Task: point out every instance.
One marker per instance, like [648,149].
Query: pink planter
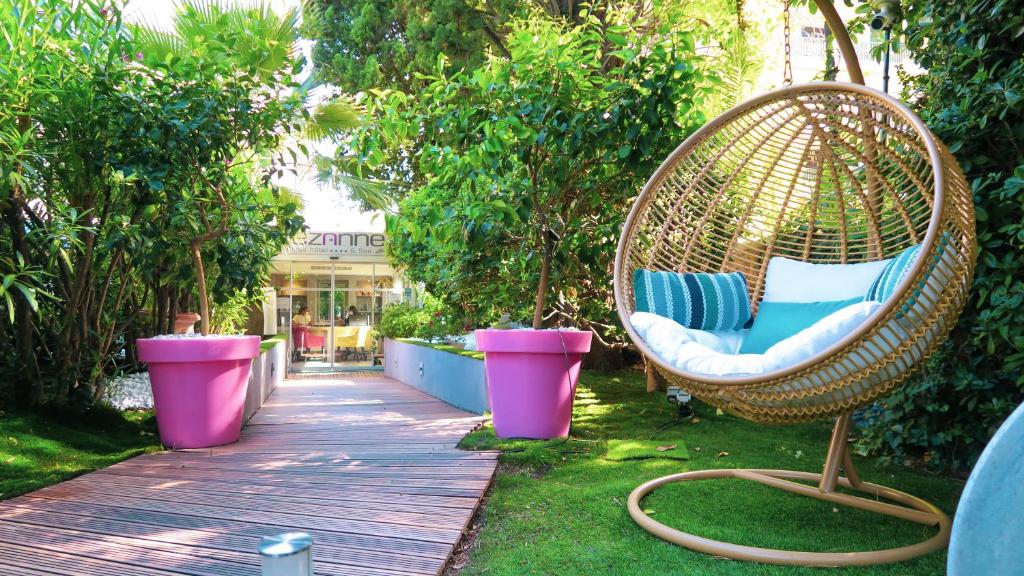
[199,387]
[531,379]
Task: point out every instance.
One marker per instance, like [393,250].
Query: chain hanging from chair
[787,65]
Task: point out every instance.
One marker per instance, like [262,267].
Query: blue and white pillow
[894,272]
[699,301]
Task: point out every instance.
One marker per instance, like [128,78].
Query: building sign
[338,244]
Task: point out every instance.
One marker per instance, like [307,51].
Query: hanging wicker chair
[825,172]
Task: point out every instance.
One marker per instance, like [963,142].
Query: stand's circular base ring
[796,558]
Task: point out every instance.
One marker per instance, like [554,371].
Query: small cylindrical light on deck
[288,554]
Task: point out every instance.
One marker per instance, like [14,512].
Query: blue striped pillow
[699,301]
[894,272]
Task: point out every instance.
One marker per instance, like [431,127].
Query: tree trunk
[254,320]
[173,305]
[204,300]
[603,359]
[542,286]
[28,391]
[160,308]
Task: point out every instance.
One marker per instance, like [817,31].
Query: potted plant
[532,373]
[224,101]
[525,167]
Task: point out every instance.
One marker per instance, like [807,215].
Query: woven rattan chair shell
[824,173]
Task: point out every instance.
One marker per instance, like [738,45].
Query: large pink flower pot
[199,387]
[531,379]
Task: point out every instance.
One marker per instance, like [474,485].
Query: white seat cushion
[795,281]
[714,353]
[696,351]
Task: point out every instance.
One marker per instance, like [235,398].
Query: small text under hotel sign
[338,244]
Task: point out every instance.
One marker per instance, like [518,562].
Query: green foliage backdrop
[972,97]
[120,147]
[531,162]
[367,44]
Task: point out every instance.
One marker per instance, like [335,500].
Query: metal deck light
[288,554]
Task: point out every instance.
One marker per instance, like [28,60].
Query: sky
[325,208]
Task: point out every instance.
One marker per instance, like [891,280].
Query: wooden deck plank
[280,467]
[372,500]
[170,522]
[325,481]
[247,504]
[368,466]
[342,555]
[440,489]
[442,460]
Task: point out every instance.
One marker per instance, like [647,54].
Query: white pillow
[794,281]
[714,353]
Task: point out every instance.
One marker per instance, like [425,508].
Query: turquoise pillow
[776,321]
[894,272]
[696,300]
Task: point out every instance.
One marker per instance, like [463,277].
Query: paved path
[367,465]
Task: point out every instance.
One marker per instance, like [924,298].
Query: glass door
[329,310]
[311,322]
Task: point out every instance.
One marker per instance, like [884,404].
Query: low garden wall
[449,374]
[268,371]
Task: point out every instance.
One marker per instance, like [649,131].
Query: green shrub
[232,316]
[432,321]
[401,321]
[972,97]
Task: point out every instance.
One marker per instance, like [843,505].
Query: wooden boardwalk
[366,465]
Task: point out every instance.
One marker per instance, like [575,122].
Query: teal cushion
[776,321]
[894,272]
[696,300]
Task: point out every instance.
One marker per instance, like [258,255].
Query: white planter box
[454,378]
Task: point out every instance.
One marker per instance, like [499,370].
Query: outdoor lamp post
[886,16]
[288,554]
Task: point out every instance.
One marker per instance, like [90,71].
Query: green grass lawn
[37,451]
[559,507]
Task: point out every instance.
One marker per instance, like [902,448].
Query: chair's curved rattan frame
[759,398]
[862,366]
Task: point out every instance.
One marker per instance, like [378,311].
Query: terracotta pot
[531,379]
[185,322]
[199,387]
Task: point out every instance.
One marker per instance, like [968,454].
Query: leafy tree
[118,149]
[62,66]
[365,44]
[972,97]
[531,162]
[226,96]
[394,47]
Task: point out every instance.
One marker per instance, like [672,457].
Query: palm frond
[335,172]
[197,19]
[269,37]
[287,195]
[314,24]
[154,44]
[254,36]
[737,66]
[333,118]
